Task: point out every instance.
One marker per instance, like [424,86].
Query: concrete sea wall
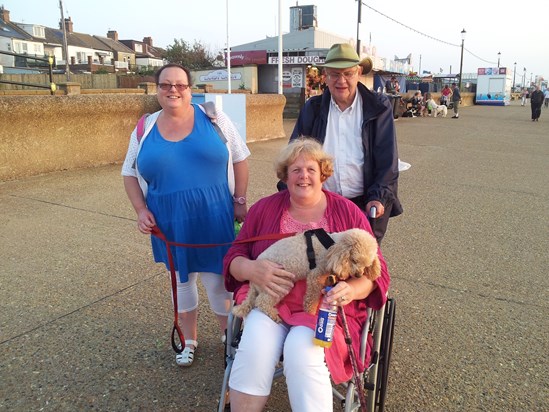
[41,133]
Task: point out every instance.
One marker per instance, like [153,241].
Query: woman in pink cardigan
[303,166]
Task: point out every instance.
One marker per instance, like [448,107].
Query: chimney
[148,41]
[5,14]
[112,34]
[68,25]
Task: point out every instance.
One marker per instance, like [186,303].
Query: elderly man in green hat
[356,126]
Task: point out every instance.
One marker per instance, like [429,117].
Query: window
[38,31]
[81,57]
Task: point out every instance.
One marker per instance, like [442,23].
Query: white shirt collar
[351,108]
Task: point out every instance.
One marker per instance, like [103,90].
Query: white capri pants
[187,293]
[307,376]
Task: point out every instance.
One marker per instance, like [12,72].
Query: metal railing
[48,60]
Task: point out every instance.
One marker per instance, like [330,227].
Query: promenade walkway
[85,315]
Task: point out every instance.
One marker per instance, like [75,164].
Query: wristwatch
[240,200]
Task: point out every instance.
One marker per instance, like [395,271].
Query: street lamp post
[359,20]
[463,32]
[280,49]
[524,78]
[514,72]
[65,46]
[229,87]
[499,55]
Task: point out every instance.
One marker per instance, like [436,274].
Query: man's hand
[379,207]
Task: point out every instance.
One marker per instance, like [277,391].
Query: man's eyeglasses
[168,86]
[336,75]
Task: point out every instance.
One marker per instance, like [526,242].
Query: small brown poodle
[353,254]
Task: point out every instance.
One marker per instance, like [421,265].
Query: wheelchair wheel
[233,333]
[385,354]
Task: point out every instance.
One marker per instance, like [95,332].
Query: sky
[429,31]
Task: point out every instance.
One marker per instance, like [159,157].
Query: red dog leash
[178,348]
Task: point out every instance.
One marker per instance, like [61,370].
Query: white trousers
[262,343]
[187,293]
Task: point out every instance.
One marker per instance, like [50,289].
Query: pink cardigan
[264,218]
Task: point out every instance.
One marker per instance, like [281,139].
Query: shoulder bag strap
[141,126]
[211,111]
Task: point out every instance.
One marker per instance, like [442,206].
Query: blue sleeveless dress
[189,196]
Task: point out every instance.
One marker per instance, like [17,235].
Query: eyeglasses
[336,75]
[168,86]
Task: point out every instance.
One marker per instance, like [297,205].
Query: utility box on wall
[234,105]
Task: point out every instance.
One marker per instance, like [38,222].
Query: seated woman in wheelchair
[303,166]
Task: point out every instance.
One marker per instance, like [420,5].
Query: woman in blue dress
[182,177]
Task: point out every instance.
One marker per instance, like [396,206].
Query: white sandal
[186,357]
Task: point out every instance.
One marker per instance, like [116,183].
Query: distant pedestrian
[523,96]
[456,99]
[392,86]
[536,100]
[418,105]
[546,95]
[445,95]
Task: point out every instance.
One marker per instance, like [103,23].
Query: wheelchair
[380,325]
[445,100]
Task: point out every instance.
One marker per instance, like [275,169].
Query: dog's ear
[373,271]
[337,259]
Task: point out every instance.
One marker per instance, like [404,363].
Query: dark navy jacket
[456,96]
[378,142]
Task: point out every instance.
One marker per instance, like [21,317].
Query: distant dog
[437,109]
[353,254]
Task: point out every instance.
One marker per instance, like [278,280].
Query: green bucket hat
[341,56]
